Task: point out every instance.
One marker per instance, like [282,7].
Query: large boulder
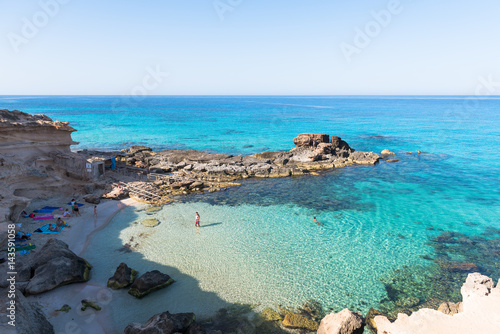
[29,318]
[163,323]
[54,266]
[344,322]
[92,198]
[306,139]
[123,277]
[149,282]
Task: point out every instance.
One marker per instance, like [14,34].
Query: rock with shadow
[123,277]
[28,316]
[149,282]
[166,323]
[55,266]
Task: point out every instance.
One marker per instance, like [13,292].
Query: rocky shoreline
[37,163]
[178,172]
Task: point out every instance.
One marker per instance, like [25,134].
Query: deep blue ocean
[395,235]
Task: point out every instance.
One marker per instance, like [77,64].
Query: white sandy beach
[77,237]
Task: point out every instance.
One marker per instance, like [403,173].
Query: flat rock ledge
[179,172]
[149,282]
[479,312]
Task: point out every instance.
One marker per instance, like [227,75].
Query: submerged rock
[149,282]
[269,314]
[87,303]
[123,277]
[298,321]
[150,222]
[164,323]
[344,322]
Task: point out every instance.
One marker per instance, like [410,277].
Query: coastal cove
[392,236]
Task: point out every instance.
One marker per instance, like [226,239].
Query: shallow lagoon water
[258,243]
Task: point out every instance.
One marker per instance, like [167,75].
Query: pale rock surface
[481,313]
[344,322]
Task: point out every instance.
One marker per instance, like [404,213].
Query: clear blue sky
[259,47]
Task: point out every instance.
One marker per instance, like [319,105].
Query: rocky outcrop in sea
[180,172]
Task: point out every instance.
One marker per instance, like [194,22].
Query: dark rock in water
[55,266]
[87,303]
[165,323]
[400,236]
[408,302]
[312,309]
[297,321]
[149,282]
[392,160]
[247,146]
[30,319]
[65,308]
[458,266]
[123,277]
[470,224]
[445,239]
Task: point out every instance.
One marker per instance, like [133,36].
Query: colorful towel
[44,217]
[44,210]
[79,204]
[45,229]
[51,208]
[25,247]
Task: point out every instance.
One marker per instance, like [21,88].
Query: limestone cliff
[27,146]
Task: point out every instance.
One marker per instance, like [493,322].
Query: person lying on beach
[54,228]
[20,235]
[316,221]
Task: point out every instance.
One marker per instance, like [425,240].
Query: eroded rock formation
[479,312]
[28,149]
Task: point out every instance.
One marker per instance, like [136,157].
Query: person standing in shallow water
[197,223]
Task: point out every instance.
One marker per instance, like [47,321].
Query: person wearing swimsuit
[197,223]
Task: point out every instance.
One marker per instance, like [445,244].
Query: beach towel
[44,210]
[45,229]
[51,208]
[25,247]
[79,204]
[44,217]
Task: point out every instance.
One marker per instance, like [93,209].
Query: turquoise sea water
[258,243]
